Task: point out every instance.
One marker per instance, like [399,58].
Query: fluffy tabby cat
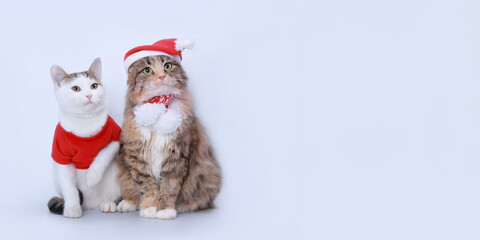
[85,143]
[166,161]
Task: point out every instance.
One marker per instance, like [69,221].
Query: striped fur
[189,176]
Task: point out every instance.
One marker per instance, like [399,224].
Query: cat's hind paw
[150,212]
[108,207]
[74,211]
[126,206]
[167,214]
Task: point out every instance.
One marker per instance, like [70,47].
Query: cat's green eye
[148,71]
[76,88]
[167,66]
[94,86]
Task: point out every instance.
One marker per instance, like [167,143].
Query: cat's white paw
[108,207]
[146,114]
[74,211]
[126,206]
[93,177]
[167,214]
[150,212]
[169,122]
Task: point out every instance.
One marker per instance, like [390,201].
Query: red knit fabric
[70,148]
[165,99]
[165,45]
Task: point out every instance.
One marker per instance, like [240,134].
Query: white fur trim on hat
[182,44]
[141,54]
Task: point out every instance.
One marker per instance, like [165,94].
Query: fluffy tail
[56,204]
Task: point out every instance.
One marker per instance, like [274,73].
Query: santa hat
[167,47]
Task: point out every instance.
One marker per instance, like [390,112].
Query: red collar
[165,99]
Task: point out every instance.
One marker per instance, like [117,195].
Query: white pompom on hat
[167,47]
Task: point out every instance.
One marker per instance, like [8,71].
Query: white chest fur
[157,146]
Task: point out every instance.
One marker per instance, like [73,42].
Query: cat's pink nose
[89,96]
[161,77]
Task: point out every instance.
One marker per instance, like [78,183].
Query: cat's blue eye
[76,88]
[94,86]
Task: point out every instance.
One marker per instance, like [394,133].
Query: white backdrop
[331,119]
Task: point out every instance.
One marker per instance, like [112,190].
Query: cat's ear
[96,69]
[58,75]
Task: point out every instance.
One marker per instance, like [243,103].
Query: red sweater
[70,148]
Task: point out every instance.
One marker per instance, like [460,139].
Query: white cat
[85,143]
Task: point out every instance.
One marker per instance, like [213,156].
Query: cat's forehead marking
[79,74]
[149,60]
[158,60]
[73,76]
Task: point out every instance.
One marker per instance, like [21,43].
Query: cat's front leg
[68,186]
[101,162]
[149,194]
[169,188]
[129,189]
